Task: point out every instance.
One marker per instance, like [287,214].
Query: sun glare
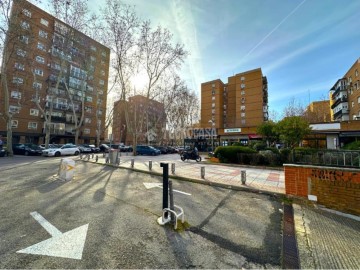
[139,80]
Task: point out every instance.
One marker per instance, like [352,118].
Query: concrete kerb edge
[203,182]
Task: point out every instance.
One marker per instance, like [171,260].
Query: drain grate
[290,251]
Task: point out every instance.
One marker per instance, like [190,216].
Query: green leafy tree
[292,130]
[268,131]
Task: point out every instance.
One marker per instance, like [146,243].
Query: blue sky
[302,46]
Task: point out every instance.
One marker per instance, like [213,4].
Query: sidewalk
[259,179]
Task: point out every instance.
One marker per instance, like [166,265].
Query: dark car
[104,148]
[163,150]
[94,149]
[3,152]
[147,150]
[26,149]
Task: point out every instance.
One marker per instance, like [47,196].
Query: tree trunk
[77,133]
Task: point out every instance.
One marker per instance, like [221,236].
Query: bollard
[173,168]
[171,198]
[150,165]
[88,156]
[165,167]
[132,163]
[104,154]
[243,177]
[107,160]
[92,155]
[80,155]
[118,161]
[203,172]
[96,158]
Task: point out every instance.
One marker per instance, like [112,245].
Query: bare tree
[294,108]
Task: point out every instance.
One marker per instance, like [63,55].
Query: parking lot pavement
[116,214]
[262,179]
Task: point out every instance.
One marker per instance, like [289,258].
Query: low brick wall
[336,188]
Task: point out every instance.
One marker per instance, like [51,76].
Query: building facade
[146,121]
[54,70]
[235,109]
[345,95]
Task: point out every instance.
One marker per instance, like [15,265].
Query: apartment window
[101,82]
[99,101]
[40,59]
[242,114]
[212,98]
[34,112]
[359,100]
[243,122]
[89,99]
[44,22]
[92,58]
[24,39]
[19,66]
[224,107]
[32,125]
[243,92]
[356,73]
[352,104]
[14,109]
[39,72]
[243,100]
[25,25]
[16,94]
[213,111]
[21,52]
[93,48]
[102,72]
[18,80]
[102,62]
[89,88]
[37,85]
[43,34]
[213,85]
[242,107]
[242,78]
[350,79]
[213,105]
[101,92]
[100,112]
[14,123]
[88,109]
[41,46]
[87,120]
[242,85]
[86,131]
[213,92]
[26,12]
[103,53]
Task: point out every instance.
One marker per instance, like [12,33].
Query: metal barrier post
[165,167]
[171,195]
[243,177]
[173,168]
[96,158]
[203,172]
[150,165]
[132,163]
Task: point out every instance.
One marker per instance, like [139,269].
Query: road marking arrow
[66,245]
[152,185]
[69,168]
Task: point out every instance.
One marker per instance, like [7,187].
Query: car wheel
[57,154]
[198,159]
[182,158]
[26,153]
[76,153]
[153,153]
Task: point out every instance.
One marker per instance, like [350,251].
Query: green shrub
[352,146]
[229,154]
[258,145]
[285,155]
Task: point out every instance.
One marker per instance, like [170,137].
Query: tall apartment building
[44,51]
[146,116]
[236,108]
[345,95]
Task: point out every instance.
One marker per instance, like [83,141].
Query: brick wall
[337,188]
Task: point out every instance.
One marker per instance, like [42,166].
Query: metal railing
[338,158]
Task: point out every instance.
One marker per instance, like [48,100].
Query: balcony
[341,113]
[339,100]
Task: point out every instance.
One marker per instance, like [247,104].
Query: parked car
[26,149]
[104,148]
[171,150]
[65,150]
[84,148]
[43,146]
[163,150]
[3,152]
[147,150]
[125,148]
[94,149]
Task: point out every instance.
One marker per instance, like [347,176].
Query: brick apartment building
[35,63]
[236,108]
[146,116]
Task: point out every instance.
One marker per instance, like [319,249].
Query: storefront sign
[230,130]
[203,132]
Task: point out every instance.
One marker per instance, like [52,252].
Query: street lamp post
[212,137]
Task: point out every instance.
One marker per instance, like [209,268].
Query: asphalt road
[117,216]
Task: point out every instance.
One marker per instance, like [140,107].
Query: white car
[65,150]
